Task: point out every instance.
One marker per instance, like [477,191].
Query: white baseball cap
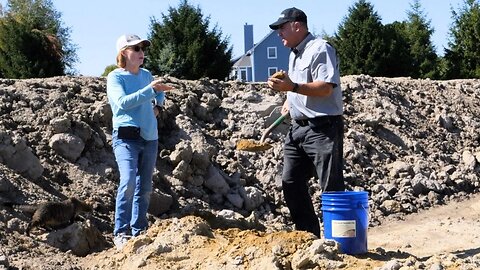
[130,40]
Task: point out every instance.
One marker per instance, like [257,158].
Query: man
[314,142]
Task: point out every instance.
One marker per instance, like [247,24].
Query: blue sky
[95,25]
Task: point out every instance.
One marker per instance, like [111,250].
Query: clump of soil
[250,145]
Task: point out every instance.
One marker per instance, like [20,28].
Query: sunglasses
[137,48]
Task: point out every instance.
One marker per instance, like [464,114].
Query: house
[260,60]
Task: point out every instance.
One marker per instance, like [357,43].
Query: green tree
[33,42]
[462,58]
[418,33]
[359,41]
[397,56]
[184,47]
[108,69]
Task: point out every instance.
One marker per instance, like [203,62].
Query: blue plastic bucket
[345,219]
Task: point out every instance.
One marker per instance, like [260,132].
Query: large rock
[15,153]
[67,145]
[80,238]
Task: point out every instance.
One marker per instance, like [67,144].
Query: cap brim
[277,24]
[144,42]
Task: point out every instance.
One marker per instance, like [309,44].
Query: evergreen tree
[33,42]
[359,41]
[418,33]
[184,47]
[397,51]
[462,59]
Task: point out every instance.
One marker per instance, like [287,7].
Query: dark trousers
[312,146]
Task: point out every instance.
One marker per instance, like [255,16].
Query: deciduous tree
[33,42]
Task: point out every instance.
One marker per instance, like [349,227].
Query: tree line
[35,43]
[405,49]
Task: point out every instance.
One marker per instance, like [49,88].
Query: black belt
[302,122]
[317,121]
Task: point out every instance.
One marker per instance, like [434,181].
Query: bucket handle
[368,213]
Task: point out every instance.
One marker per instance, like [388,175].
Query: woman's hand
[158,86]
[156,110]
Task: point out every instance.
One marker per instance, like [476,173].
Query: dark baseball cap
[289,15]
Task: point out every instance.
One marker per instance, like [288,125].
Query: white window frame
[243,71]
[274,52]
[270,69]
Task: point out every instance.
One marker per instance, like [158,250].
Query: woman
[131,92]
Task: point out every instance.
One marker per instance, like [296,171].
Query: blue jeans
[136,160]
[314,147]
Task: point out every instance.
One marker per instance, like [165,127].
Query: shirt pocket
[302,73]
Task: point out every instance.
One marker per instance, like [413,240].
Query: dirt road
[453,228]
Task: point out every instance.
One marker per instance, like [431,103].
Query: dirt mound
[412,144]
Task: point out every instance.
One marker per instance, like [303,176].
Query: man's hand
[279,74]
[282,85]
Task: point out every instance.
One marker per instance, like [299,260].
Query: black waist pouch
[129,133]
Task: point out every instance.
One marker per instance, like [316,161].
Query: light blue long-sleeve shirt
[130,97]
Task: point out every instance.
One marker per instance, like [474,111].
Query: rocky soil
[412,144]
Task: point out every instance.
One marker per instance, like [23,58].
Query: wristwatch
[295,88]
